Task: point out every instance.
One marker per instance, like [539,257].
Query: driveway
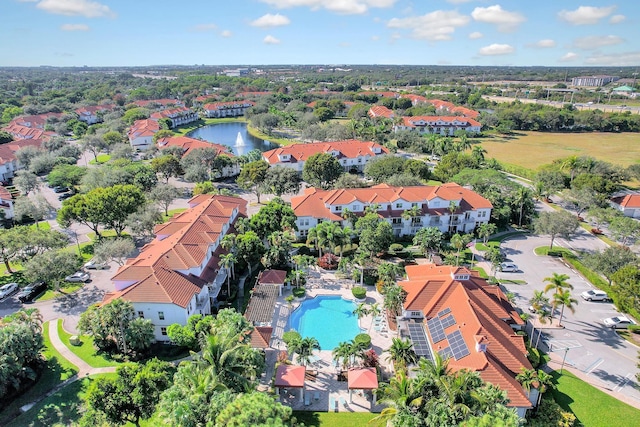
[598,352]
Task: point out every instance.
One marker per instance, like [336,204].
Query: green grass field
[575,395]
[334,419]
[86,351]
[531,150]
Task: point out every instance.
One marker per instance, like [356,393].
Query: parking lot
[584,342]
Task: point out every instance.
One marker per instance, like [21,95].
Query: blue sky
[421,32]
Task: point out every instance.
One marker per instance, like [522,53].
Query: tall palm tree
[557,283]
[402,397]
[523,194]
[477,152]
[485,230]
[393,299]
[539,300]
[229,243]
[401,353]
[227,261]
[361,310]
[374,311]
[305,348]
[564,299]
[458,242]
[343,352]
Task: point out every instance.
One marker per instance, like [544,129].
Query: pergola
[362,379]
[290,376]
[273,277]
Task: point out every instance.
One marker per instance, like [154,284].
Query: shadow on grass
[307,418]
[564,400]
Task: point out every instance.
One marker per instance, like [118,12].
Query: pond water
[234,135]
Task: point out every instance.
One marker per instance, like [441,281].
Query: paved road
[598,352]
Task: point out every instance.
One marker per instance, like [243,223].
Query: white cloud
[344,44]
[346,7]
[476,35]
[201,28]
[269,20]
[496,49]
[87,8]
[616,59]
[435,26]
[375,38]
[74,27]
[544,43]
[569,56]
[226,33]
[585,15]
[503,19]
[271,40]
[595,42]
[459,1]
[616,19]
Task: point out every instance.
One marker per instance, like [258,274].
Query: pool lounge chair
[343,401]
[333,404]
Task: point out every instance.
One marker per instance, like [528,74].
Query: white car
[8,289]
[618,322]
[78,276]
[94,265]
[595,295]
[508,267]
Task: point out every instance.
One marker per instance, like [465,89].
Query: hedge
[299,292]
[359,292]
[363,339]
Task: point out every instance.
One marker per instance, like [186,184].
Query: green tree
[227,261]
[563,298]
[401,353]
[26,181]
[375,234]
[304,349]
[556,224]
[142,222]
[66,175]
[624,229]
[249,248]
[252,177]
[167,166]
[627,288]
[37,208]
[323,114]
[393,299]
[117,250]
[94,144]
[52,266]
[131,396]
[485,230]
[381,168]
[429,240]
[274,216]
[281,180]
[255,408]
[612,259]
[321,170]
[163,196]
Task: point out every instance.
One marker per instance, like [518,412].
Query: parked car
[595,295]
[78,276]
[30,292]
[508,267]
[618,322]
[64,196]
[95,265]
[60,189]
[8,289]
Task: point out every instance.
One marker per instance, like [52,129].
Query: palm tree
[429,239]
[523,194]
[227,261]
[458,242]
[527,378]
[401,353]
[539,300]
[313,237]
[228,243]
[348,215]
[393,299]
[413,212]
[361,310]
[557,283]
[477,152]
[485,230]
[402,397]
[343,352]
[564,299]
[305,348]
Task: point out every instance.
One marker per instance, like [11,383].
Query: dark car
[60,189]
[64,196]
[30,292]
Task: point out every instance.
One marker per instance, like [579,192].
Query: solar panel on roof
[448,321]
[443,312]
[436,330]
[458,346]
[446,353]
[419,340]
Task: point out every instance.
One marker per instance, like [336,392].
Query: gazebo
[291,376]
[273,277]
[362,379]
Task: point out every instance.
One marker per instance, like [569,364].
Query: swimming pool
[327,318]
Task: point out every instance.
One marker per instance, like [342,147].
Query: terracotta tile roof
[627,201]
[380,111]
[8,150]
[182,243]
[145,127]
[187,144]
[170,113]
[432,120]
[415,99]
[228,105]
[261,336]
[19,131]
[349,149]
[203,98]
[315,202]
[272,277]
[91,110]
[290,376]
[163,102]
[4,193]
[34,121]
[452,108]
[362,378]
[481,316]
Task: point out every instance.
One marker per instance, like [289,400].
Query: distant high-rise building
[593,81]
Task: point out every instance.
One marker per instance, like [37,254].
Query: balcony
[397,225]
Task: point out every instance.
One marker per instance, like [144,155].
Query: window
[414,205]
[141,314]
[355,207]
[399,205]
[338,208]
[416,314]
[163,331]
[161,315]
[359,160]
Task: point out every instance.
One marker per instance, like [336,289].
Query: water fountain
[239,140]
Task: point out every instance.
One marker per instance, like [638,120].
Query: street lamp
[563,359]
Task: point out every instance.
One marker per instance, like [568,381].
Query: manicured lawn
[334,419]
[102,158]
[106,233]
[86,351]
[542,148]
[172,212]
[42,225]
[556,251]
[592,407]
[51,294]
[57,370]
[62,408]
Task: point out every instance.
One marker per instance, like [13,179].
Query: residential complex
[628,204]
[177,116]
[443,125]
[449,207]
[92,114]
[177,274]
[187,144]
[227,109]
[453,312]
[351,154]
[141,133]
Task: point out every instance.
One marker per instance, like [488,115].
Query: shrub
[328,262]
[534,357]
[290,336]
[634,329]
[549,413]
[370,359]
[359,292]
[396,247]
[299,292]
[363,340]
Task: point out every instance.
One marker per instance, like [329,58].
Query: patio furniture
[333,404]
[343,401]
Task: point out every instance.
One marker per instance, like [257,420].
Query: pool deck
[323,389]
